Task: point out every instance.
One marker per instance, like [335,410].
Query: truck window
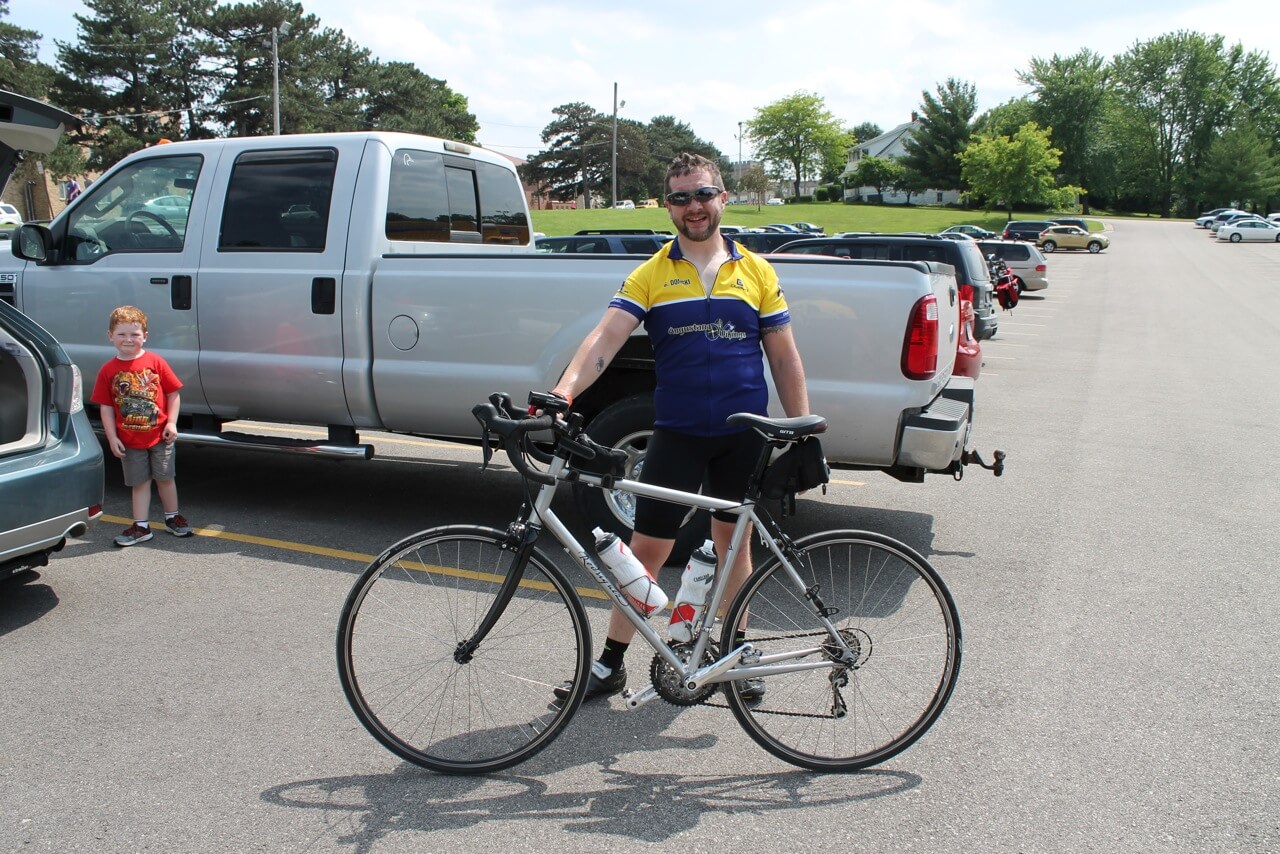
[141,208]
[446,198]
[278,201]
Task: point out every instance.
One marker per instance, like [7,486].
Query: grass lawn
[831,216]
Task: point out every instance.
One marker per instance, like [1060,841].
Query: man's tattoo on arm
[599,364]
[768,330]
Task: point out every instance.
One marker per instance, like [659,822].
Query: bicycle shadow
[650,807]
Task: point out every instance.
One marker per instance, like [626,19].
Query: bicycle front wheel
[398,651]
[896,616]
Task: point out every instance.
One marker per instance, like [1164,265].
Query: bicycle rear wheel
[400,629]
[897,616]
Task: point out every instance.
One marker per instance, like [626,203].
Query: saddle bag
[801,467]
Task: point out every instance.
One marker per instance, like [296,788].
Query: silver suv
[1025,261]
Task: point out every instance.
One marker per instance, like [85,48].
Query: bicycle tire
[402,623]
[896,612]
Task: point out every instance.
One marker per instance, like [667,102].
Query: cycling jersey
[709,362]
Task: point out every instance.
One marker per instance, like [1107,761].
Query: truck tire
[628,424]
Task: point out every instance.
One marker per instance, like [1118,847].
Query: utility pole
[739,160]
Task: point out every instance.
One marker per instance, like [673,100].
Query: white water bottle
[634,580]
[692,598]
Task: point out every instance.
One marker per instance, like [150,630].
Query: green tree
[666,137]
[577,160]
[1006,118]
[1070,96]
[909,183]
[944,131]
[118,75]
[878,172]
[797,132]
[865,131]
[1016,169]
[1174,93]
[755,182]
[1242,168]
[400,97]
[20,69]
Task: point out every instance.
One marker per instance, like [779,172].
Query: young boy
[138,396]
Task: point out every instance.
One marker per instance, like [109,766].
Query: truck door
[270,297]
[125,242]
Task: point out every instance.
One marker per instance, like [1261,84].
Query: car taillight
[1040,268]
[77,390]
[920,348]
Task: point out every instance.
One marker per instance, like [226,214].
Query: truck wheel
[627,425]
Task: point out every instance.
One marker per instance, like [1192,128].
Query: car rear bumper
[935,438]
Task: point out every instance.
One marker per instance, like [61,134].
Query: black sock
[611,655]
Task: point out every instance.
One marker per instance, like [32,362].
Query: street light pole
[739,160]
[276,32]
[613,198]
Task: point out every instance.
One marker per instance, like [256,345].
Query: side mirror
[32,243]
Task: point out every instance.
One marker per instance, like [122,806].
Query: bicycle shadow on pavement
[361,810]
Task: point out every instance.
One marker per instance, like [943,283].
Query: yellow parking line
[342,554]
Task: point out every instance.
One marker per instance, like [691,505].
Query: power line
[201,109]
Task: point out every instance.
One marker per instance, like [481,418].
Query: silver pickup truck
[382,281]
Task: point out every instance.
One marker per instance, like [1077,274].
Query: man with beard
[712,310]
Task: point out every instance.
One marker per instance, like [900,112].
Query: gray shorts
[155,463]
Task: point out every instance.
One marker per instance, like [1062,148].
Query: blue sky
[712,65]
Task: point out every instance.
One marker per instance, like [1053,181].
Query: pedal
[636,699]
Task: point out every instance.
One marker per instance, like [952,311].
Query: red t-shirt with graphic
[138,390]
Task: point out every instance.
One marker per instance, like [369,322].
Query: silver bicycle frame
[756,665]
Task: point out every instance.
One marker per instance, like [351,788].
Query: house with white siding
[890,145]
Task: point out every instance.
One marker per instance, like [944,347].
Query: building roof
[877,146]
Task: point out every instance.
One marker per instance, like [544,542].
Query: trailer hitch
[996,466]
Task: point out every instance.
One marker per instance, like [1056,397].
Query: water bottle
[692,598]
[634,580]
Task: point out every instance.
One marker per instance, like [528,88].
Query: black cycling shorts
[680,461]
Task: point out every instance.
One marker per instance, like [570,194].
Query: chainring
[669,683]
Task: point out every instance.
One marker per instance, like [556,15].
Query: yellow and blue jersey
[706,347]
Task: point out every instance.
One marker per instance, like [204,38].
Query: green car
[1057,237]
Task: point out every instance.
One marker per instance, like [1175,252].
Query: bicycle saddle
[780,429]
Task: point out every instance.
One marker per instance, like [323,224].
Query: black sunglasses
[702,194]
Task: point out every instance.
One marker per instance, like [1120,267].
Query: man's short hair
[687,162]
[127,314]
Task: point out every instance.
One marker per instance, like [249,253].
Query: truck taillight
[966,292]
[920,349]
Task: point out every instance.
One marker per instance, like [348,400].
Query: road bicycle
[452,640]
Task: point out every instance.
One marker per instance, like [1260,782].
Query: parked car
[1250,230]
[51,466]
[606,241]
[810,229]
[761,242]
[1057,237]
[1203,220]
[174,210]
[775,201]
[625,205]
[1227,216]
[1275,217]
[1071,220]
[972,274]
[1025,261]
[9,215]
[972,230]
[1025,229]
[956,235]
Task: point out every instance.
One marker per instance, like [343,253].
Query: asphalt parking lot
[1116,587]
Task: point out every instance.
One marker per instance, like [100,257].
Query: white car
[1259,230]
[9,215]
[775,201]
